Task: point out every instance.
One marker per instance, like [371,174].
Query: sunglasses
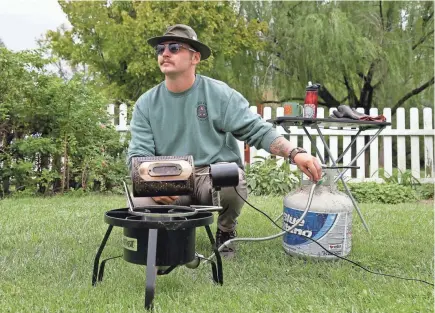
[172,47]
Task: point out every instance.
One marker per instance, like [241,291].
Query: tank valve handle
[327,176]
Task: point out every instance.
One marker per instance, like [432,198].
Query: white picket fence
[404,135]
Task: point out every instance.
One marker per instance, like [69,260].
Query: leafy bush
[266,177]
[425,191]
[373,192]
[55,134]
[399,187]
[404,178]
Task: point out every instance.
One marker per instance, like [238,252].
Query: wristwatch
[293,152]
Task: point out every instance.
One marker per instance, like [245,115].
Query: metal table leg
[314,144]
[340,176]
[349,146]
[359,153]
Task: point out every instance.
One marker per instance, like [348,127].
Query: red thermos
[311,100]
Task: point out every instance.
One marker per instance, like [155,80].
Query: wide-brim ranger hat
[182,33]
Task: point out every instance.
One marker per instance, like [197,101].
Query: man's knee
[139,202]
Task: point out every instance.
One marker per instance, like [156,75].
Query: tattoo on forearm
[280,146]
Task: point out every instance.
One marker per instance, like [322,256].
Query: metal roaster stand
[162,237]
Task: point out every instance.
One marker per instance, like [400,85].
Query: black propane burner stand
[160,237]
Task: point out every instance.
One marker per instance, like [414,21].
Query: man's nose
[166,51]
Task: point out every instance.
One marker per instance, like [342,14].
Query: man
[190,114]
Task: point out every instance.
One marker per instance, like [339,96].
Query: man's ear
[196,57]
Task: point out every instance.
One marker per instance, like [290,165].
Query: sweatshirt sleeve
[142,139]
[246,125]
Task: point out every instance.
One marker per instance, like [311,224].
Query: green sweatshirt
[203,121]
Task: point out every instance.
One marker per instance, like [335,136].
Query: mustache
[165,61]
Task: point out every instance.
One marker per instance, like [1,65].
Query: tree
[2,44]
[365,54]
[110,38]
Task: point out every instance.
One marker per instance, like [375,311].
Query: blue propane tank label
[331,230]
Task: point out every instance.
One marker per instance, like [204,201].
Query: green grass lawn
[47,249]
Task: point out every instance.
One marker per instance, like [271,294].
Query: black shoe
[221,238]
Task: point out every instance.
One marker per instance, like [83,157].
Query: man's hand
[305,161]
[309,165]
[165,199]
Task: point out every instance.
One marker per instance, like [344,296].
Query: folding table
[318,124]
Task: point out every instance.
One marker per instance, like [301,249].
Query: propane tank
[328,221]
